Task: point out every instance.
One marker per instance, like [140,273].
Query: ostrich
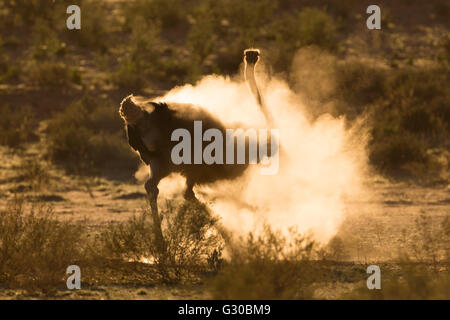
[149,129]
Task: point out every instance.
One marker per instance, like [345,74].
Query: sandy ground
[377,227]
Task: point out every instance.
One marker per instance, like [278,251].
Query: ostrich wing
[135,141]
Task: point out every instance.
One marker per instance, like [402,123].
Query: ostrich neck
[250,78]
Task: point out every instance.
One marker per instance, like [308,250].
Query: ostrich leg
[189,193]
[151,186]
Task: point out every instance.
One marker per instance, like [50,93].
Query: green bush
[97,24]
[46,44]
[53,74]
[167,13]
[27,12]
[430,241]
[202,37]
[142,59]
[444,55]
[129,76]
[423,121]
[401,156]
[423,271]
[35,248]
[16,125]
[248,18]
[8,71]
[358,85]
[316,27]
[88,137]
[412,282]
[310,26]
[268,266]
[34,173]
[192,241]
[408,111]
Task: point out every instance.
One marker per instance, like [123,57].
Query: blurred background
[398,76]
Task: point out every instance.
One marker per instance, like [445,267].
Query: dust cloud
[322,160]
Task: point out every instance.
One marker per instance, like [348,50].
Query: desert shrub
[409,115]
[310,26]
[358,84]
[409,85]
[34,172]
[423,121]
[16,125]
[96,23]
[26,12]
[8,71]
[316,27]
[248,17]
[45,43]
[202,36]
[192,242]
[413,281]
[148,61]
[35,248]
[268,266]
[423,89]
[141,60]
[129,76]
[400,156]
[53,74]
[334,250]
[441,10]
[342,9]
[429,241]
[444,54]
[229,58]
[191,237]
[220,31]
[168,13]
[44,59]
[88,138]
[422,268]
[446,235]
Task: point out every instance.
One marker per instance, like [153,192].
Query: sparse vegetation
[268,266]
[35,173]
[88,138]
[163,44]
[413,281]
[53,74]
[36,248]
[423,271]
[193,243]
[16,126]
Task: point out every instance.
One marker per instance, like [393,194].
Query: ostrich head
[129,111]
[251,55]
